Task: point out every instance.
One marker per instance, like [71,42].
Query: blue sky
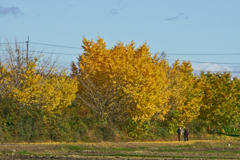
[200,31]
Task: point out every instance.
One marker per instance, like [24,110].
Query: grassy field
[198,149]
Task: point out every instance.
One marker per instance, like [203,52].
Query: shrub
[105,132]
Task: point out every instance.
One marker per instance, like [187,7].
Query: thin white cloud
[12,11]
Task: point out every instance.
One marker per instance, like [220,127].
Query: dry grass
[136,150]
[40,147]
[193,149]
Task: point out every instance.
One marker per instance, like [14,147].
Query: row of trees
[124,84]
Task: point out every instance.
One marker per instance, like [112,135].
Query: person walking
[186,134]
[179,132]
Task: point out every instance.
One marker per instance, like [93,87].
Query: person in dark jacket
[186,134]
[179,132]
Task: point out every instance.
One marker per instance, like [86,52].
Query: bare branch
[106,99]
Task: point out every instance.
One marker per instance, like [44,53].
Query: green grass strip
[155,156]
[126,149]
[199,151]
[24,153]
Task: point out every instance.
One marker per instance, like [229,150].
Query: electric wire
[205,62]
[12,43]
[189,54]
[46,52]
[215,71]
[166,58]
[56,53]
[203,54]
[55,45]
[192,54]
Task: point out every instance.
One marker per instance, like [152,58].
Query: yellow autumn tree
[138,80]
[221,103]
[30,82]
[186,94]
[57,92]
[4,89]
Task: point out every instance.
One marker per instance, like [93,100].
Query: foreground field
[200,149]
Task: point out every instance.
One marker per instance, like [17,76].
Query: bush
[21,123]
[231,129]
[105,132]
[162,132]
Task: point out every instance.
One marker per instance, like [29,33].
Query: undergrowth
[21,123]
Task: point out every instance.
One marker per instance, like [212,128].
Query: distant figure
[186,134]
[179,132]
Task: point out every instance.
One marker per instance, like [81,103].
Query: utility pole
[27,49]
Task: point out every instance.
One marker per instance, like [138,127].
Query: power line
[54,45]
[55,53]
[81,48]
[11,43]
[69,63]
[166,59]
[205,62]
[192,54]
[196,62]
[216,71]
[203,54]
[168,53]
[46,52]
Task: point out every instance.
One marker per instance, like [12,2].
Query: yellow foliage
[25,84]
[140,76]
[221,104]
[186,94]
[4,87]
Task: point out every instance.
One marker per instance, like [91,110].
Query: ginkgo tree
[186,94]
[139,80]
[4,89]
[29,81]
[221,103]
